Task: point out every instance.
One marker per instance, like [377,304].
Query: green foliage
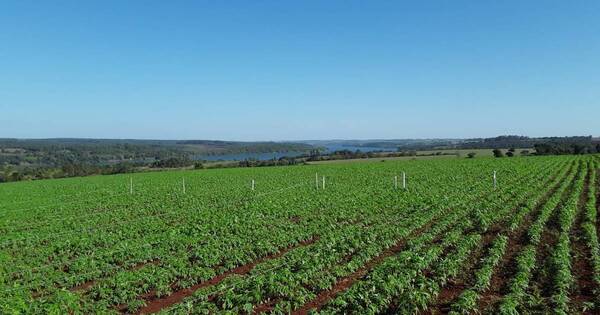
[57,158]
[173,162]
[283,243]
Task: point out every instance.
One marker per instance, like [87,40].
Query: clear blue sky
[276,70]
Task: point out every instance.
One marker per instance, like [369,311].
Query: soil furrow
[541,286]
[581,267]
[155,304]
[269,305]
[345,282]
[455,287]
[598,198]
[450,292]
[517,239]
[88,284]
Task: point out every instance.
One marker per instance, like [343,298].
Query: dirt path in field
[582,269]
[516,241]
[155,304]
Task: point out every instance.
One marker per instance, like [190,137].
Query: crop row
[526,261]
[467,301]
[407,304]
[358,246]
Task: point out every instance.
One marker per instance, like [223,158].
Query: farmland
[204,241]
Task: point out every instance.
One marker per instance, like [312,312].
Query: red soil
[156,304]
[582,268]
[516,241]
[86,285]
[345,282]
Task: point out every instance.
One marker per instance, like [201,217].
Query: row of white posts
[253,183]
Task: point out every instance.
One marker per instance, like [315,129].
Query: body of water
[277,155]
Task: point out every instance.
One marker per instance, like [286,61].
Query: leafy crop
[95,245]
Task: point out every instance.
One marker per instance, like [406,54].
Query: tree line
[51,159]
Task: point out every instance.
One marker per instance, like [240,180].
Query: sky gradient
[292,70]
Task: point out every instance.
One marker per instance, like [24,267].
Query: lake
[277,155]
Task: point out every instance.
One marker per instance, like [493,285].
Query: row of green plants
[526,261]
[561,255]
[243,295]
[467,301]
[84,265]
[434,283]
[482,220]
[304,275]
[360,299]
[590,232]
[97,247]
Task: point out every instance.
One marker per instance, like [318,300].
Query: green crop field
[205,242]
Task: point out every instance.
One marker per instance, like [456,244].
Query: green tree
[498,153]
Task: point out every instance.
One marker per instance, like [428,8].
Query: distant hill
[22,159]
[58,152]
[506,141]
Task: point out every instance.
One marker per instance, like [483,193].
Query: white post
[396,182]
[183,185]
[317,180]
[494,179]
[253,184]
[130,185]
[323,182]
[403,180]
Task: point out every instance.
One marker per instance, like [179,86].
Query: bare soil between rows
[155,304]
[516,241]
[582,268]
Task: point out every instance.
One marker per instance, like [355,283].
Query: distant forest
[548,145]
[55,158]
[542,146]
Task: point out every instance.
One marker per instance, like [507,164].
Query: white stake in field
[317,181]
